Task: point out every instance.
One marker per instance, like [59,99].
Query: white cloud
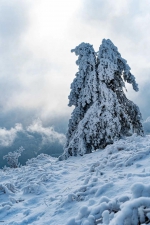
[48,134]
[35,67]
[7,137]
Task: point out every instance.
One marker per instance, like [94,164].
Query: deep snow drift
[109,186]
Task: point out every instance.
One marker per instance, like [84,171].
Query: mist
[35,139]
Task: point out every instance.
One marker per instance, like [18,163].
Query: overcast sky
[36,65]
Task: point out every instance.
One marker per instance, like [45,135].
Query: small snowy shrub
[7,188]
[12,157]
[34,188]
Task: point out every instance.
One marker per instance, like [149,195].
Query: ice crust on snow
[105,187]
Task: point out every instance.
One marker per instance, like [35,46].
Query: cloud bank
[48,134]
[7,137]
[34,138]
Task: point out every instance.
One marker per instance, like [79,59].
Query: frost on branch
[102,113]
[12,157]
[113,71]
[84,92]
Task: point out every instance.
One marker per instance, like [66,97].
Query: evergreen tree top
[83,49]
[109,53]
[82,93]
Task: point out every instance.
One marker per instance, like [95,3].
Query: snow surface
[109,186]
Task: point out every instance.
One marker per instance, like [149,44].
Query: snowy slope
[110,186]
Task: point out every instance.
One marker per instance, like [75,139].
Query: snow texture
[109,187]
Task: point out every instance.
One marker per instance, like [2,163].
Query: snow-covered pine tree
[113,72]
[83,90]
[12,157]
[102,112]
